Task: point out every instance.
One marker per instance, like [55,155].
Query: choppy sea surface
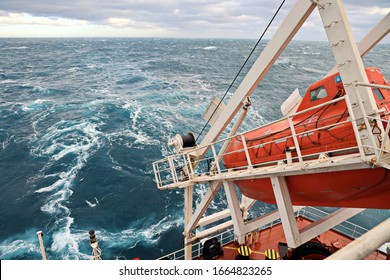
[82,120]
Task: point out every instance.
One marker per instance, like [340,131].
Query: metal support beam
[286,31]
[188,200]
[202,207]
[246,204]
[265,219]
[371,39]
[233,131]
[372,85]
[350,66]
[214,218]
[41,244]
[235,210]
[286,211]
[328,222]
[211,231]
[365,244]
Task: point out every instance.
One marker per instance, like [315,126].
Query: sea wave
[83,120]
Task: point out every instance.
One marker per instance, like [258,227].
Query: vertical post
[173,169]
[96,252]
[248,158]
[235,211]
[286,211]
[216,159]
[190,168]
[354,125]
[351,69]
[385,137]
[294,135]
[157,175]
[40,235]
[188,199]
[232,132]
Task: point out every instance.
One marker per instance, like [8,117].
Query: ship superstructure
[332,147]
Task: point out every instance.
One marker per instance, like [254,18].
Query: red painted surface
[366,188]
[270,237]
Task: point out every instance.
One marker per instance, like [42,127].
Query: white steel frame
[182,170]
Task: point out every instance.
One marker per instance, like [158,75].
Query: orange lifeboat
[325,129]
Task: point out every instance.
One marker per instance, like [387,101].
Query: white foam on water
[282,60]
[16,248]
[140,232]
[64,241]
[77,141]
[20,245]
[153,233]
[4,144]
[200,191]
[92,205]
[7,81]
[210,48]
[16,48]
[34,105]
[134,117]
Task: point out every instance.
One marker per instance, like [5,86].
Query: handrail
[174,170]
[309,212]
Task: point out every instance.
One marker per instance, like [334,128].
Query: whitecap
[65,243]
[92,205]
[210,48]
[8,81]
[11,250]
[134,117]
[17,48]
[34,105]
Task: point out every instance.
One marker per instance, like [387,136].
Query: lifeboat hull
[365,188]
[318,130]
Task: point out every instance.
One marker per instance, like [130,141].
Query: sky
[169,18]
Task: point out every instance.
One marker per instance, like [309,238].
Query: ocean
[82,120]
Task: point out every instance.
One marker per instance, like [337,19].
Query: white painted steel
[202,207]
[371,39]
[235,211]
[360,103]
[350,65]
[41,244]
[286,31]
[265,219]
[365,244]
[188,200]
[372,85]
[291,104]
[313,230]
[286,211]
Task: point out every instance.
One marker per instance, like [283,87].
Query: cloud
[177,18]
[24,18]
[121,22]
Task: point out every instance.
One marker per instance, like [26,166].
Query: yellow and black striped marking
[271,254]
[244,251]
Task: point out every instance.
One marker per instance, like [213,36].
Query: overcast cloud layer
[168,18]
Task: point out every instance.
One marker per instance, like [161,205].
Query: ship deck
[271,237]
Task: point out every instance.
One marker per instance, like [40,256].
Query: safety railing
[347,228]
[383,147]
[176,170]
[224,238]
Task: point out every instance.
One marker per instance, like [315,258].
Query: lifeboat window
[318,93]
[378,94]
